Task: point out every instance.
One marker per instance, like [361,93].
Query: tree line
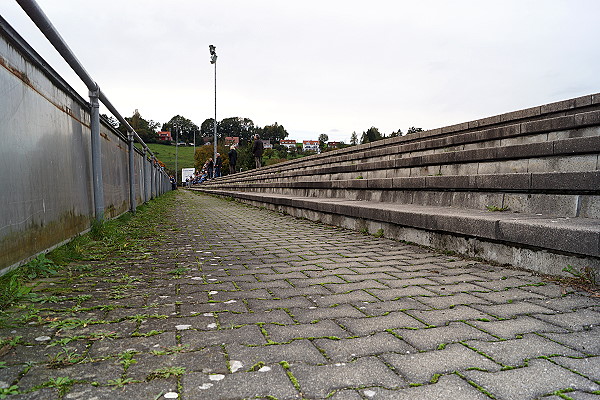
[186,131]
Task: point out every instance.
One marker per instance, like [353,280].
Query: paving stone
[228,319]
[9,375]
[465,287]
[171,324]
[352,297]
[451,279]
[421,367]
[567,303]
[588,367]
[451,300]
[548,290]
[514,352]
[404,283]
[431,338]
[540,377]
[348,349]
[297,351]
[348,287]
[264,285]
[298,301]
[383,307]
[585,341]
[509,328]
[248,334]
[135,391]
[286,333]
[309,291]
[42,394]
[100,371]
[581,396]
[240,385]
[509,295]
[208,360]
[501,284]
[346,395]
[319,381]
[442,317]
[367,326]
[394,294]
[201,308]
[578,320]
[363,274]
[316,281]
[110,347]
[241,294]
[511,310]
[329,272]
[449,387]
[303,315]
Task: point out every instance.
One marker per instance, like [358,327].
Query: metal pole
[146,175]
[152,178]
[96,155]
[215,124]
[176,155]
[131,174]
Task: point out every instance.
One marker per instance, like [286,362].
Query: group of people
[212,168]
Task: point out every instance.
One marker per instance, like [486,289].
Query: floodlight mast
[213,60]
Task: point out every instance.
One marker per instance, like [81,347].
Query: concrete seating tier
[521,188]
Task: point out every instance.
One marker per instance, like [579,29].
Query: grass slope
[166,154]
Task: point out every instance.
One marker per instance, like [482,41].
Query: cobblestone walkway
[247,303]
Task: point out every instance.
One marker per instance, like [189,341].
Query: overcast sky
[325,66]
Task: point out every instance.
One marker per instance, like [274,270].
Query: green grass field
[166,154]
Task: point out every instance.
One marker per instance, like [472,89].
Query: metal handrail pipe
[37,15]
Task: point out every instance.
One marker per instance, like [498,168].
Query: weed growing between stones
[4,392]
[166,372]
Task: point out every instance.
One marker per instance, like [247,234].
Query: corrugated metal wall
[46,191]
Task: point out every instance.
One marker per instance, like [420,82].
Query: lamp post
[213,60]
[176,154]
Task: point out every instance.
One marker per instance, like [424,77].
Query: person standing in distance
[257,150]
[218,165]
[232,155]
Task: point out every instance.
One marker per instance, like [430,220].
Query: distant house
[310,145]
[267,143]
[232,140]
[165,136]
[290,144]
[333,145]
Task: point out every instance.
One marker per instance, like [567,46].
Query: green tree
[323,139]
[371,135]
[354,139]
[412,129]
[111,120]
[396,133]
[145,129]
[185,127]
[274,132]
[236,127]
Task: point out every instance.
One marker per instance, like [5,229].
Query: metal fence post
[96,155]
[145,171]
[132,200]
[153,183]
